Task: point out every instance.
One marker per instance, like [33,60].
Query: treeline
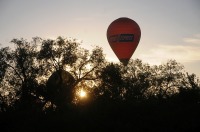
[45,76]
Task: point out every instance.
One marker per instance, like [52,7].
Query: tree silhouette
[40,79]
[59,88]
[166,79]
[64,58]
[137,78]
[111,82]
[21,70]
[189,91]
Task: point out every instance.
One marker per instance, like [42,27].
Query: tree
[189,91]
[111,86]
[165,80]
[3,64]
[137,78]
[20,71]
[63,56]
[26,69]
[43,72]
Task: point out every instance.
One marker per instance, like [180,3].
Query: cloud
[188,51]
[162,53]
[188,55]
[193,40]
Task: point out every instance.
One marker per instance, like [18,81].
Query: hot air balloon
[60,87]
[123,35]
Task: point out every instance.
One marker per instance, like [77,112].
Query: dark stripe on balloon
[122,38]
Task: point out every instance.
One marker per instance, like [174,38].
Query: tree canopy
[43,70]
[43,76]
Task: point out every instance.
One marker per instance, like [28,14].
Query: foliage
[111,82]
[46,74]
[40,82]
[26,70]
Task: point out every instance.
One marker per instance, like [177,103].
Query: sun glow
[82,93]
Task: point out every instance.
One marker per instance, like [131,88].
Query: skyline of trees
[40,81]
[42,72]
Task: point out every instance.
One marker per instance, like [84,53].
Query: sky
[170,29]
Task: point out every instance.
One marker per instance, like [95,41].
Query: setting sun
[82,94]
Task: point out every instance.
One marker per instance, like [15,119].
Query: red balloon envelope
[123,35]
